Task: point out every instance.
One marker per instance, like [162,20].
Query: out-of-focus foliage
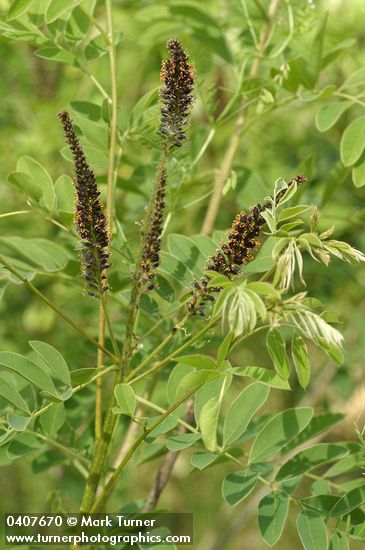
[305,114]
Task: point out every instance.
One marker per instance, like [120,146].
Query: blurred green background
[278,142]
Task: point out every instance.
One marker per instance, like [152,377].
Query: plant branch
[50,304]
[128,348]
[156,350]
[103,313]
[15,213]
[171,356]
[96,23]
[350,97]
[164,473]
[223,171]
[113,479]
[176,106]
[159,409]
[79,462]
[99,383]
[240,521]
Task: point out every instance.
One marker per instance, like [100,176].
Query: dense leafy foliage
[249,385]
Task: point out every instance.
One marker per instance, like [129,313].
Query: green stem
[99,383]
[149,357]
[161,410]
[226,165]
[50,304]
[96,23]
[352,98]
[128,348]
[110,485]
[167,359]
[75,459]
[245,336]
[157,325]
[136,290]
[103,313]
[114,114]
[95,81]
[110,327]
[205,145]
[17,213]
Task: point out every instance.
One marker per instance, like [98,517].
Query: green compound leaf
[81,376]
[312,530]
[87,109]
[306,460]
[54,360]
[56,8]
[166,425]
[339,542]
[141,106]
[265,376]
[198,361]
[352,462]
[57,54]
[242,410]
[238,485]
[176,375]
[355,79]
[17,8]
[318,424]
[18,423]
[301,360]
[358,173]
[12,395]
[46,254]
[316,51]
[204,27]
[182,441]
[353,142]
[41,177]
[53,419]
[276,433]
[276,348]
[330,114]
[28,370]
[202,460]
[214,388]
[24,443]
[322,504]
[349,501]
[27,184]
[64,190]
[223,349]
[126,399]
[272,513]
[195,379]
[293,212]
[208,422]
